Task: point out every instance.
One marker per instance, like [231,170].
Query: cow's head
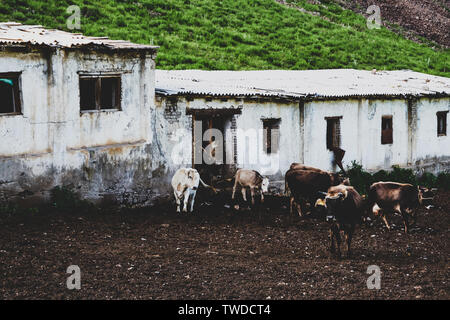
[426,195]
[334,200]
[265,185]
[191,173]
[340,179]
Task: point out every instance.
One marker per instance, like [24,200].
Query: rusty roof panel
[13,33]
[332,83]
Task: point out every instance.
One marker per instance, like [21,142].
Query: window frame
[17,92]
[335,132]
[442,115]
[98,93]
[384,131]
[270,124]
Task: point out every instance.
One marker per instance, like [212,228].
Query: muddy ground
[217,253]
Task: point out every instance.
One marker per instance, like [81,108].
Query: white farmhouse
[93,115]
[380,118]
[75,111]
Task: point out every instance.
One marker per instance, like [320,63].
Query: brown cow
[250,179]
[307,184]
[345,208]
[389,197]
[299,166]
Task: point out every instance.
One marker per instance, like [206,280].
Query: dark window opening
[87,94]
[99,93]
[386,130]
[271,136]
[9,93]
[333,133]
[442,123]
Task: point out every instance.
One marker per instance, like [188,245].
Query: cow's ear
[322,194]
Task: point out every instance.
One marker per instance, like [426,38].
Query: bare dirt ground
[217,253]
[426,18]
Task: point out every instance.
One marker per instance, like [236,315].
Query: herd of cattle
[328,192]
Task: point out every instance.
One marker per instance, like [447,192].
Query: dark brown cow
[306,184]
[390,197]
[345,208]
[299,166]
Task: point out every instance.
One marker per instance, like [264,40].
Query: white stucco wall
[429,147]
[106,153]
[27,133]
[175,130]
[361,133]
[130,154]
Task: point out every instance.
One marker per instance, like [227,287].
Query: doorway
[210,152]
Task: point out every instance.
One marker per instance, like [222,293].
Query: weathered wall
[175,128]
[431,152]
[129,155]
[107,155]
[415,141]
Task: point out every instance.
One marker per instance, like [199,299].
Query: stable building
[380,118]
[93,115]
[75,111]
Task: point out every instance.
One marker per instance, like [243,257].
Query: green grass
[240,35]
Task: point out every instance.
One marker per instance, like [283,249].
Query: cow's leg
[348,236]
[383,216]
[332,245]
[298,206]
[244,193]
[262,197]
[291,203]
[186,199]
[405,220]
[412,213]
[177,199]
[337,235]
[194,192]
[252,192]
[234,190]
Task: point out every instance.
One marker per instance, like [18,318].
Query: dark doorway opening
[205,144]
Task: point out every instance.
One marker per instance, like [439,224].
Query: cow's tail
[287,191]
[207,185]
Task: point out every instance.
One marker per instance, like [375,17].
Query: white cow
[185,184]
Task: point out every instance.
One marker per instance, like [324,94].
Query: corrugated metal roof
[333,83]
[13,34]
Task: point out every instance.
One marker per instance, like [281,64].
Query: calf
[345,208]
[306,183]
[185,184]
[389,197]
[250,179]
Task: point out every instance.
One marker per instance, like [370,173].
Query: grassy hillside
[240,34]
